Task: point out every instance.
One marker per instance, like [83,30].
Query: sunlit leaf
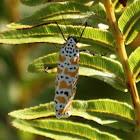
[103,111]
[128,19]
[56,12]
[133,33]
[38,2]
[51,34]
[134,62]
[102,68]
[61,129]
[99,10]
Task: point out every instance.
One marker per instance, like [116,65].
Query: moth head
[72,39]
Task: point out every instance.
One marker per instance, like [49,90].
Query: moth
[66,76]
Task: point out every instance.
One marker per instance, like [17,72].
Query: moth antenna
[67,74]
[83,29]
[65,22]
[87,51]
[82,32]
[61,31]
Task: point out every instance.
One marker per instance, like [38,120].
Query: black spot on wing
[67,77]
[70,68]
[66,93]
[55,102]
[61,92]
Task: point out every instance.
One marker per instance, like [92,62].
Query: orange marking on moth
[60,111]
[69,101]
[74,92]
[64,111]
[59,70]
[63,84]
[72,74]
[74,62]
[62,58]
[61,99]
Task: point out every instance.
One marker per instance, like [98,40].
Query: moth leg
[92,53]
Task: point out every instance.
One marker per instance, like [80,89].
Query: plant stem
[121,51]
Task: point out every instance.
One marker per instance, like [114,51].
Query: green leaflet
[51,34]
[70,18]
[38,2]
[102,68]
[102,63]
[103,111]
[114,108]
[99,10]
[51,61]
[129,18]
[103,76]
[65,129]
[134,62]
[23,125]
[72,13]
[53,13]
[133,33]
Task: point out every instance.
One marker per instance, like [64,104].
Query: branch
[121,52]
